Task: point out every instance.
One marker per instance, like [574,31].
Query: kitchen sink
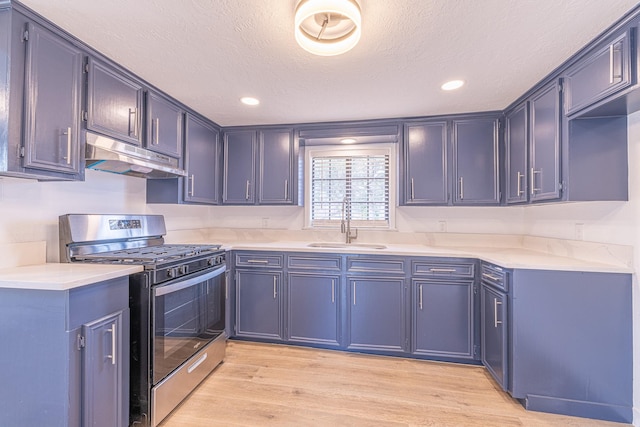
[346,245]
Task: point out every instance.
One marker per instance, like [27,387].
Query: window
[349,184]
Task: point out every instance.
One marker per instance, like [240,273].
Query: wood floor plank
[277,385]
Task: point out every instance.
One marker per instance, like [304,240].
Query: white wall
[29,212]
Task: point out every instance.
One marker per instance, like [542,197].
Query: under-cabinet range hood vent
[106,154]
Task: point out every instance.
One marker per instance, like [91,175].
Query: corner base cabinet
[65,356]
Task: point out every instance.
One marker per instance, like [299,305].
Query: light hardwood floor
[277,385]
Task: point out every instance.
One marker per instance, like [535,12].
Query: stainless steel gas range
[177,304]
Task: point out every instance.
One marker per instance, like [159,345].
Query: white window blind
[352,187]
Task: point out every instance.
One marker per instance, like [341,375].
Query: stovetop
[150,255]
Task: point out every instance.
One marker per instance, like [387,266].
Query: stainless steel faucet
[346,215]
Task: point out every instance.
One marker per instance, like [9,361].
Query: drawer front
[262,259]
[369,264]
[302,262]
[443,269]
[495,276]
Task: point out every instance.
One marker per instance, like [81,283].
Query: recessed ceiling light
[452,85]
[348,140]
[248,100]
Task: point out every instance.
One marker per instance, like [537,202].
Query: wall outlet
[442,226]
[265,222]
[579,231]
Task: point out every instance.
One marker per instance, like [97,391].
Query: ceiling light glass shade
[328,27]
[452,85]
[248,100]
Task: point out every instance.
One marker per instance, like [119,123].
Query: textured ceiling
[209,53]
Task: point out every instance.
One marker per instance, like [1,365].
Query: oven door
[188,313]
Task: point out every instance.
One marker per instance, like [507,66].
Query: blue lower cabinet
[494,324]
[314,302]
[571,343]
[443,319]
[259,304]
[377,314]
[66,356]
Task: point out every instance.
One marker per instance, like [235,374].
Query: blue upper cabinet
[53,88]
[202,160]
[259,167]
[424,152]
[240,150]
[276,165]
[475,161]
[516,138]
[605,70]
[114,103]
[164,125]
[544,148]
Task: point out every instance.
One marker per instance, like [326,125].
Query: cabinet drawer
[368,264]
[494,275]
[303,262]
[442,269]
[259,260]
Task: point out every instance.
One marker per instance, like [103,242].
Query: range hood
[106,154]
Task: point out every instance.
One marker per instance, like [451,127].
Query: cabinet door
[105,373]
[276,167]
[377,314]
[52,103]
[516,155]
[258,304]
[114,104]
[443,318]
[201,162]
[604,72]
[425,159]
[494,334]
[239,167]
[164,126]
[475,151]
[544,172]
[314,309]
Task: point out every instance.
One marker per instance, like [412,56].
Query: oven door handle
[183,284]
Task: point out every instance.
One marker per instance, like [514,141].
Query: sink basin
[346,245]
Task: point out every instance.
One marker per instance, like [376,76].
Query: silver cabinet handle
[413,194]
[489,276]
[275,287]
[461,188]
[354,293]
[333,291]
[68,133]
[496,322]
[133,130]
[197,363]
[420,292]
[192,190]
[611,77]
[286,189]
[156,136]
[258,261]
[226,285]
[442,270]
[533,181]
[113,344]
[520,191]
[246,196]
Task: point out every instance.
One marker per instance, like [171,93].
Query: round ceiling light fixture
[249,100]
[328,27]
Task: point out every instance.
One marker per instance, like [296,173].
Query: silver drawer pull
[489,276]
[442,270]
[258,261]
[197,363]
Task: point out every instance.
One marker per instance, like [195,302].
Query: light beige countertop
[520,258]
[61,277]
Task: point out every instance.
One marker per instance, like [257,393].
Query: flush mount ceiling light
[327,27]
[348,140]
[248,100]
[452,85]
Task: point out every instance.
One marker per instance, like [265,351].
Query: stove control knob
[183,269]
[171,273]
[220,259]
[211,261]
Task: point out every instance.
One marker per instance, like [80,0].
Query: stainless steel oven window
[187,315]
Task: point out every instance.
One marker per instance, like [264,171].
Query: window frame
[389,149]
